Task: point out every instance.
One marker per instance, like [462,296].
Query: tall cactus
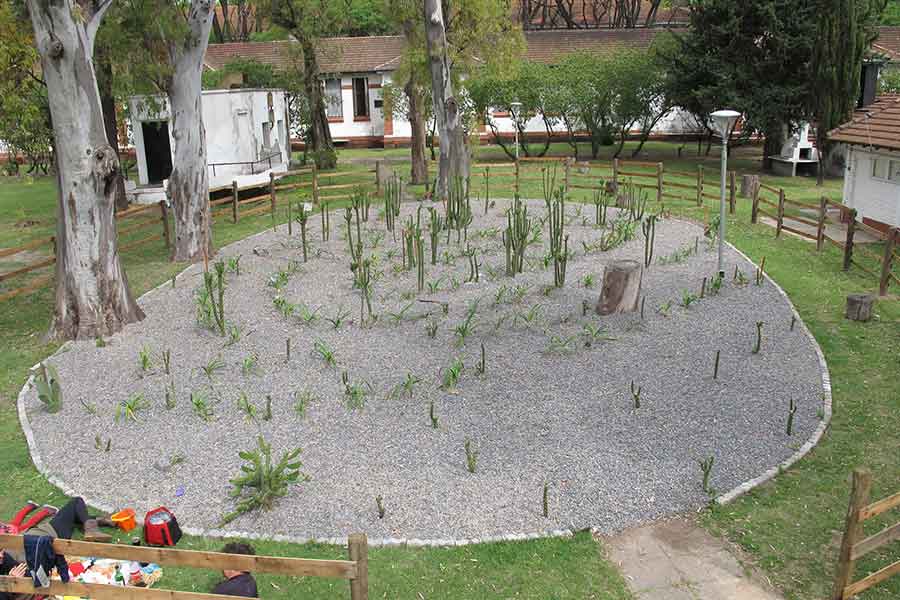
[459,209]
[516,236]
[559,241]
[601,204]
[435,227]
[393,191]
[301,218]
[648,226]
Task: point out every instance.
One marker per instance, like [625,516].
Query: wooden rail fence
[355,570]
[854,545]
[320,187]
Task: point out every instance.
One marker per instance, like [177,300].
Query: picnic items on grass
[161,527]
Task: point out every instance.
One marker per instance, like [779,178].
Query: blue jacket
[39,553]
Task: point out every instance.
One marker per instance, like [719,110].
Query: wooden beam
[98,591]
[880,507]
[874,542]
[859,497]
[216,561]
[873,579]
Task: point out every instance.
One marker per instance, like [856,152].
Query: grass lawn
[790,527]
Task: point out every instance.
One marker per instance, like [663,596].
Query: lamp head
[723,121]
[515,106]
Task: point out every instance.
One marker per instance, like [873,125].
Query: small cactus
[636,394]
[792,410]
[758,346]
[706,466]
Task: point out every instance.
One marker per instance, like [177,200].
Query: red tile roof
[888,43]
[877,125]
[382,53]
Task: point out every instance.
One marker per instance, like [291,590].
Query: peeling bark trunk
[454,159]
[92,295]
[108,104]
[419,168]
[319,131]
[189,182]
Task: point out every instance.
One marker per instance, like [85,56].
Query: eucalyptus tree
[92,294]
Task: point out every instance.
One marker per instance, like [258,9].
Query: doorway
[157,150]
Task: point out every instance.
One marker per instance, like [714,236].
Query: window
[886,169]
[360,98]
[334,104]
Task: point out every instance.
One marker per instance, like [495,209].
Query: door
[157,150]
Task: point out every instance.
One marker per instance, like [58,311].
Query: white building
[355,69]
[246,137]
[872,175]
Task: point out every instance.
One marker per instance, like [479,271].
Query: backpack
[161,528]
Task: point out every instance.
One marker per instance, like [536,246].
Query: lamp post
[723,122]
[514,108]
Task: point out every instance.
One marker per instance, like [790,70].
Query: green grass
[557,568]
[790,527]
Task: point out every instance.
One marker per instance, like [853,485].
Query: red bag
[161,528]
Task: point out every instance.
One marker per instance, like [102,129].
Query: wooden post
[234,202]
[315,186]
[659,182]
[164,214]
[859,498]
[616,175]
[754,210]
[820,230]
[566,166]
[487,189]
[848,243]
[378,177]
[780,212]
[290,218]
[886,264]
[272,200]
[731,192]
[358,548]
[699,185]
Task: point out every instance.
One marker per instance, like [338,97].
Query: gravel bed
[539,415]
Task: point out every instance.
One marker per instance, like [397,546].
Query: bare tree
[454,159]
[92,295]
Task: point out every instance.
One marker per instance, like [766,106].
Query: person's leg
[46,511]
[20,516]
[72,514]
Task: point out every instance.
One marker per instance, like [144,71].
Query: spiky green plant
[128,410]
[471,456]
[234,334]
[474,264]
[464,329]
[89,407]
[234,264]
[431,328]
[792,410]
[302,218]
[687,298]
[481,365]
[648,226]
[202,406]
[601,205]
[458,208]
[170,397]
[706,466]
[339,318]
[364,282]
[435,286]
[758,346]
[211,304]
[379,505]
[325,352]
[267,413]
[326,220]
[261,483]
[561,345]
[452,374]
[302,402]
[432,415]
[145,359]
[636,394]
[245,406]
[250,365]
[49,390]
[355,393]
[215,365]
[593,333]
[393,192]
[407,386]
[588,281]
[517,236]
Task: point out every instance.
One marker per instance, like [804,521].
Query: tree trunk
[188,189]
[621,289]
[108,104]
[454,159]
[319,131]
[419,168]
[92,295]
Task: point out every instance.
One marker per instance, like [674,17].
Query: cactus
[326,221]
[379,505]
[48,388]
[636,394]
[716,366]
[758,346]
[364,282]
[393,192]
[703,289]
[761,271]
[459,208]
[215,294]
[420,262]
[472,254]
[706,466]
[793,321]
[516,237]
[649,228]
[301,218]
[544,503]
[471,456]
[559,241]
[287,348]
[481,366]
[432,415]
[792,410]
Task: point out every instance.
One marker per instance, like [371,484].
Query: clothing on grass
[242,585]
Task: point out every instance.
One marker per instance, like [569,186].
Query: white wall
[349,127]
[872,198]
[234,122]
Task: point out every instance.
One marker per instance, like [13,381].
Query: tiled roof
[888,43]
[382,53]
[877,125]
[335,55]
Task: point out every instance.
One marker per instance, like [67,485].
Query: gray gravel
[537,416]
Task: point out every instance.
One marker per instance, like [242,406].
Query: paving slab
[675,559]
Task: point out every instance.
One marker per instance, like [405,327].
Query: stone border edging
[722,499]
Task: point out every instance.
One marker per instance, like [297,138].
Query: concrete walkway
[677,560]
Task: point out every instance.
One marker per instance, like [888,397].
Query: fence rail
[855,546]
[355,570]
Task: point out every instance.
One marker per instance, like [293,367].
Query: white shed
[872,176]
[246,137]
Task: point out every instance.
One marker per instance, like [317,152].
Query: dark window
[360,97]
[334,108]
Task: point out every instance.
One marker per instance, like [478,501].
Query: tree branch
[94,23]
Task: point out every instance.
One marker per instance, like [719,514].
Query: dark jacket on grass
[242,585]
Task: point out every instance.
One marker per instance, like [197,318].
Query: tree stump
[621,289]
[859,307]
[749,183]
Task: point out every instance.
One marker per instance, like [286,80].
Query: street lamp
[723,122]
[514,108]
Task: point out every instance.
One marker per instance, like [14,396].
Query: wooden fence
[355,570]
[320,187]
[854,546]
